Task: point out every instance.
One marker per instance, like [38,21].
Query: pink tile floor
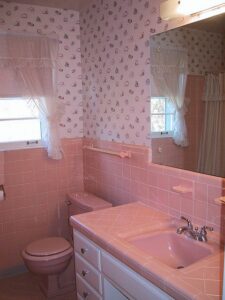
[24,287]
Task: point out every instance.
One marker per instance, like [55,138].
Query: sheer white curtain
[212,147]
[33,60]
[169,68]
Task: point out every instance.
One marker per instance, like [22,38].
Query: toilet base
[60,284]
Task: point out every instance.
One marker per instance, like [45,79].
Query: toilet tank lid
[88,201]
[48,246]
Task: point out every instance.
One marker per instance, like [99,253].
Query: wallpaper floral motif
[115,61]
[115,37]
[205,49]
[65,23]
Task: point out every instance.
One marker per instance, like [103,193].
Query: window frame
[160,134]
[25,144]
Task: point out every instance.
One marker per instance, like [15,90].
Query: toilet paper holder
[2,189]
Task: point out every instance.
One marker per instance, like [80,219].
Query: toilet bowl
[48,258]
[51,259]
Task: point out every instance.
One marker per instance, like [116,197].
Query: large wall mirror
[188,97]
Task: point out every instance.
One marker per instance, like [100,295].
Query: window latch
[32,142]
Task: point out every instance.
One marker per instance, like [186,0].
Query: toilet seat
[47,247]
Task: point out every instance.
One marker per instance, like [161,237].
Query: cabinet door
[129,281]
[112,293]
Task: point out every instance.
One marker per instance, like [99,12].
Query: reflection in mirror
[188,97]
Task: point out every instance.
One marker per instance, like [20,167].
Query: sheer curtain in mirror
[169,68]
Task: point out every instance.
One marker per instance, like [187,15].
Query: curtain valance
[20,51]
[214,87]
[31,60]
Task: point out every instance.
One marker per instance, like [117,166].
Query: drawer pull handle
[85,295]
[84,273]
[83,250]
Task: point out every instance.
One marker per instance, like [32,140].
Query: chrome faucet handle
[203,233]
[189,224]
[205,228]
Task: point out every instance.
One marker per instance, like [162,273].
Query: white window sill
[158,135]
[20,145]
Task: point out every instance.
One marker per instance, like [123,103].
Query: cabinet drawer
[85,291]
[87,249]
[88,273]
[129,281]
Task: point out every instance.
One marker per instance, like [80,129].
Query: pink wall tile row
[127,180]
[2,165]
[36,190]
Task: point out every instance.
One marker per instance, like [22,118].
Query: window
[162,117]
[19,124]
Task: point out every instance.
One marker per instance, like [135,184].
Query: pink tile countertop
[109,228]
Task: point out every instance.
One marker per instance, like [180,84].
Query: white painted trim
[159,135]
[20,145]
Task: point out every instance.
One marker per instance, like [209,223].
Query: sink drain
[180,267]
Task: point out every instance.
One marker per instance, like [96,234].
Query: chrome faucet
[196,234]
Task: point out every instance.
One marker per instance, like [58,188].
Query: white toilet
[50,257]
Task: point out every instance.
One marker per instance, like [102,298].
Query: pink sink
[174,250]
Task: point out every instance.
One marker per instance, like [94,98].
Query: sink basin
[174,250]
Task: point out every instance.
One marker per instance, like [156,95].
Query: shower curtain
[212,144]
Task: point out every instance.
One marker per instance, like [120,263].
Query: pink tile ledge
[109,229]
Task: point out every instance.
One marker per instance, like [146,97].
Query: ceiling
[214,24]
[69,4]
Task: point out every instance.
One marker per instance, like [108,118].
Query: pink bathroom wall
[2,167]
[115,65]
[194,120]
[36,186]
[65,24]
[128,180]
[165,151]
[116,91]
[36,190]
[115,38]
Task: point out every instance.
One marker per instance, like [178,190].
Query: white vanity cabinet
[99,275]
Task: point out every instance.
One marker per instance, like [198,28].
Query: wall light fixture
[171,9]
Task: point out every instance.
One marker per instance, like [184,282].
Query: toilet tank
[82,202]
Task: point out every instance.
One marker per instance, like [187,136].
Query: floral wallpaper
[205,49]
[65,23]
[115,60]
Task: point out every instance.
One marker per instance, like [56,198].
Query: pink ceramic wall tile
[187,206]
[36,189]
[175,182]
[153,185]
[215,192]
[155,180]
[2,167]
[200,209]
[201,192]
[175,201]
